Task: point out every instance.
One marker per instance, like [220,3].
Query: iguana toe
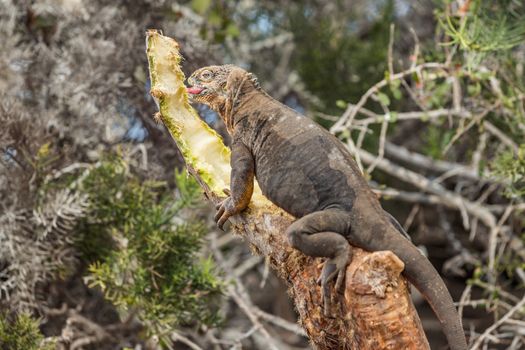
[334,268]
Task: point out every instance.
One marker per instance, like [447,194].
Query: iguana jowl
[309,173]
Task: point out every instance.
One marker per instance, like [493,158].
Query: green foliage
[21,333]
[488,27]
[436,140]
[334,60]
[139,256]
[218,24]
[437,92]
[511,168]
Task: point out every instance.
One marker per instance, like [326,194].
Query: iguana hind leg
[322,234]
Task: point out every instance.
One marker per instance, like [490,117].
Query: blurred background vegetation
[106,243]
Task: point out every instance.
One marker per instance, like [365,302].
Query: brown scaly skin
[308,172]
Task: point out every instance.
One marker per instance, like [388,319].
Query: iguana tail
[420,272]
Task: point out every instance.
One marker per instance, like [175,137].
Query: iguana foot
[323,234]
[225,209]
[334,268]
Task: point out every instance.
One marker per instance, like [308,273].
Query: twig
[502,320]
[226,239]
[415,55]
[521,274]
[373,117]
[484,195]
[248,311]
[421,161]
[351,111]
[69,169]
[278,321]
[186,341]
[391,50]
[456,93]
[421,182]
[247,265]
[265,274]
[258,313]
[432,114]
[475,120]
[242,301]
[361,137]
[411,216]
[351,146]
[499,208]
[277,40]
[495,289]
[411,197]
[413,95]
[80,343]
[480,148]
[494,235]
[500,135]
[465,297]
[449,174]
[382,140]
[457,247]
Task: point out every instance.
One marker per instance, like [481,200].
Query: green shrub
[21,332]
[142,253]
[511,167]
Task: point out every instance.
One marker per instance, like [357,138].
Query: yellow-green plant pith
[192,135]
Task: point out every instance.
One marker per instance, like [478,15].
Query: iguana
[309,173]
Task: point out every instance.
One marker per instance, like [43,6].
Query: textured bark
[374,312]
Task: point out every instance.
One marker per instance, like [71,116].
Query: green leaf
[43,151]
[383,99]
[215,19]
[396,92]
[474,89]
[232,30]
[395,83]
[393,117]
[341,104]
[200,6]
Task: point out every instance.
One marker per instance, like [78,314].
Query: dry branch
[375,311]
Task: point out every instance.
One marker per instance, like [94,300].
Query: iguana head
[219,86]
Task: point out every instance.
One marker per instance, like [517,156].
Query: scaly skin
[309,173]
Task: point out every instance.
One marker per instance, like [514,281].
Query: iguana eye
[206,75]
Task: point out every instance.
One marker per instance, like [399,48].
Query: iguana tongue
[194,90]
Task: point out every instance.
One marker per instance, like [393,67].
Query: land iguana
[309,173]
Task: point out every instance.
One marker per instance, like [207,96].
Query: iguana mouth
[195,90]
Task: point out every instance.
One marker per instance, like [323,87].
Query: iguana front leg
[241,184]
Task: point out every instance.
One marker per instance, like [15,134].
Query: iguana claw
[225,209]
[334,267]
